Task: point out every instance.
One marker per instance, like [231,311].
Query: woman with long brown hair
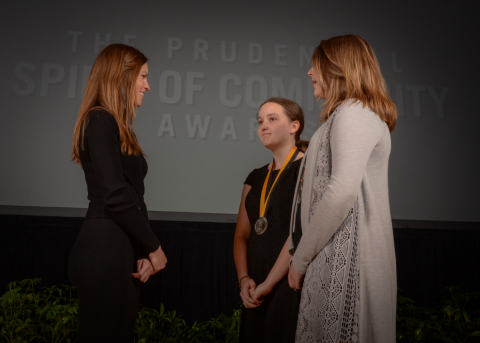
[345,260]
[261,251]
[106,265]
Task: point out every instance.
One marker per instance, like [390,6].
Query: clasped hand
[251,294]
[146,268]
[295,279]
[158,259]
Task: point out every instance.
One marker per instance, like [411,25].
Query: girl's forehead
[267,115]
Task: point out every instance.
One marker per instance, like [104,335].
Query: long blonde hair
[111,87]
[347,68]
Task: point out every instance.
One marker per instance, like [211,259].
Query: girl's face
[318,88]
[274,127]
[141,85]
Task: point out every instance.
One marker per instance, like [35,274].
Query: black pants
[100,267]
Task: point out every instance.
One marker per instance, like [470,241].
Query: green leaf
[458,315]
[449,310]
[418,334]
[467,317]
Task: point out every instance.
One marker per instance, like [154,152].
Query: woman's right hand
[247,288]
[158,259]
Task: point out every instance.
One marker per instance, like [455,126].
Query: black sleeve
[142,254]
[251,177]
[102,138]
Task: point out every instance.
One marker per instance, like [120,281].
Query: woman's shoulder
[254,174]
[357,111]
[99,114]
[101,121]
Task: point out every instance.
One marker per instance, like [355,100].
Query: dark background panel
[200,279]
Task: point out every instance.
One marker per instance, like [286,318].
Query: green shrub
[28,314]
[31,314]
[455,318]
[165,327]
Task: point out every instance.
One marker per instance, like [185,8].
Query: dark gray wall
[426,50]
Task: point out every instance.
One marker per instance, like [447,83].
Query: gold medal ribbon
[263,202]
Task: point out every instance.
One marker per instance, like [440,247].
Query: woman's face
[318,90]
[274,128]
[141,86]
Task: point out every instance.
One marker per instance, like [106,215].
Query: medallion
[261,225]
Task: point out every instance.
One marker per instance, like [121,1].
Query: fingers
[297,284]
[251,283]
[251,292]
[295,279]
[246,293]
[144,270]
[248,302]
[290,279]
[246,296]
[261,291]
[256,294]
[142,278]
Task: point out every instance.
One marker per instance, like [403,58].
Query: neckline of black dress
[276,170]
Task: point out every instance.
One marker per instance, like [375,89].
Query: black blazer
[115,180]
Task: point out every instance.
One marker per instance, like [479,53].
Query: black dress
[107,248]
[275,320]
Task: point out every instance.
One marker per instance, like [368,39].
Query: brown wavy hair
[294,112]
[111,87]
[346,68]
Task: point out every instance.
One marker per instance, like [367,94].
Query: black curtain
[200,279]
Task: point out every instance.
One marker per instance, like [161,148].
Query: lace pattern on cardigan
[329,307]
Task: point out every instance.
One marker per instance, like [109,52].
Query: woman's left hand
[144,270]
[295,279]
[261,291]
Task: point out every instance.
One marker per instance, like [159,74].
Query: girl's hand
[248,286]
[261,291]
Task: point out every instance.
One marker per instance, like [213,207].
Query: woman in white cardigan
[344,261]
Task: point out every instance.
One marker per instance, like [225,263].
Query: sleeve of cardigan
[102,137]
[355,132]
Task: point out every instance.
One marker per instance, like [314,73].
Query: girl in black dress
[105,265]
[270,306]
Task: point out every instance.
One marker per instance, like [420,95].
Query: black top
[115,180]
[275,320]
[263,250]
